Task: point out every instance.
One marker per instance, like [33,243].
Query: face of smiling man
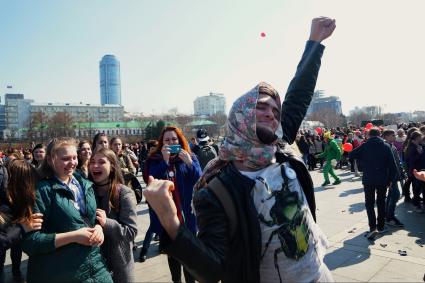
[267,118]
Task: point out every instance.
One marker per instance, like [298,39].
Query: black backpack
[205,154]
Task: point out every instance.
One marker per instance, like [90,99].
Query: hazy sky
[173,51]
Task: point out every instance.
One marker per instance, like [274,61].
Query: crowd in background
[86,193]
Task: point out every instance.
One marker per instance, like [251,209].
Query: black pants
[418,188]
[406,187]
[381,192]
[176,271]
[15,256]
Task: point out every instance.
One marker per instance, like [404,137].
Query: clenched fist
[322,28]
[158,195]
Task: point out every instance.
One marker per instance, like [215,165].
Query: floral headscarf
[242,142]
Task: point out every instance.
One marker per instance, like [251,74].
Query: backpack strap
[220,191]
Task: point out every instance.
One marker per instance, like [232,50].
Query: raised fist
[321,28]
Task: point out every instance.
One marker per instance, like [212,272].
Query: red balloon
[347,147]
[369,126]
[319,131]
[263,34]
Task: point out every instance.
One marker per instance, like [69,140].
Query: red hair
[182,140]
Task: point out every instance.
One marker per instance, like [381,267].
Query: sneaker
[371,235]
[394,222]
[337,182]
[383,230]
[326,183]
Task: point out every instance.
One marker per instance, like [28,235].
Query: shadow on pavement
[414,222]
[357,207]
[344,256]
[351,192]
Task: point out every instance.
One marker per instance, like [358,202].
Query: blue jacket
[377,160]
[186,177]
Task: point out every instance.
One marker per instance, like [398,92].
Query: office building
[214,103]
[321,102]
[110,82]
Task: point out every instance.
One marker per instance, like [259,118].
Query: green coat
[332,151]
[70,263]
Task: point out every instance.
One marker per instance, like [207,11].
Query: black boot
[142,257]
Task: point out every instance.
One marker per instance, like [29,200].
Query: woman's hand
[82,236]
[97,237]
[101,217]
[34,224]
[165,153]
[420,175]
[185,156]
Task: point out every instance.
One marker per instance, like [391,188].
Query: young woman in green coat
[66,249]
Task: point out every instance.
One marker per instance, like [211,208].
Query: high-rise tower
[110,82]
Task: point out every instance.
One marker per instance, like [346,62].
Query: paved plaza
[342,216]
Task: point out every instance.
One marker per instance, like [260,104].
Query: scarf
[242,142]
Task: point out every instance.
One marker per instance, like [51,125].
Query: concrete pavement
[342,216]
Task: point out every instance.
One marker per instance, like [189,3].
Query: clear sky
[173,51]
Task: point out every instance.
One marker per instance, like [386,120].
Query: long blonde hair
[46,169]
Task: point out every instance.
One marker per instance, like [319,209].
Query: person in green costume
[332,151]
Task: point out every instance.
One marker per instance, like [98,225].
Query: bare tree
[61,125]
[38,122]
[219,118]
[358,115]
[329,118]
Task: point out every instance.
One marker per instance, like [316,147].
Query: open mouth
[96,173]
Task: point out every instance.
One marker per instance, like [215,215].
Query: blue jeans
[147,240]
[392,199]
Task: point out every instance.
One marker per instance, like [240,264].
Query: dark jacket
[214,255]
[10,233]
[376,157]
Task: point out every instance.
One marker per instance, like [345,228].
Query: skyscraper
[110,82]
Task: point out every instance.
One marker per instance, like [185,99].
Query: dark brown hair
[96,139]
[80,144]
[21,190]
[115,176]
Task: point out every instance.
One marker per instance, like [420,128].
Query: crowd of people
[388,159]
[245,208]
